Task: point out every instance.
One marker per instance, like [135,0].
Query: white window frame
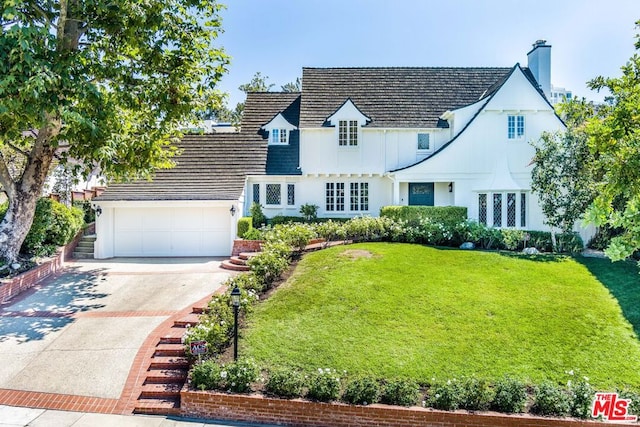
[359,196]
[334,199]
[430,143]
[521,209]
[348,133]
[516,126]
[278,136]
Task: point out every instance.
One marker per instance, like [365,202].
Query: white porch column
[396,192]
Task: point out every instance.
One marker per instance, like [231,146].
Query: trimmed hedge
[244,225]
[446,215]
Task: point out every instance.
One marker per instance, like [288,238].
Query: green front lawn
[400,310]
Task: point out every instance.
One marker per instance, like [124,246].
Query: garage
[171,231]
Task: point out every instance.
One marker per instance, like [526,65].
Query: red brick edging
[260,409]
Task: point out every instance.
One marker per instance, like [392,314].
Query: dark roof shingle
[210,167]
[261,107]
[395,96]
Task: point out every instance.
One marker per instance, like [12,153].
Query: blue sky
[279,37]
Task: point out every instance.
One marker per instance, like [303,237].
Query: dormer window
[424,143]
[279,136]
[348,133]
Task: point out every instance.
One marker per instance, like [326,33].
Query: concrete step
[169,362]
[237,260]
[82,255]
[86,244]
[227,265]
[169,350]
[166,376]
[160,391]
[165,406]
[190,319]
[90,237]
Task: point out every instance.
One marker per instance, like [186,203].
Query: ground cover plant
[408,311]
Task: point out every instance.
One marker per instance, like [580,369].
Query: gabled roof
[261,107]
[210,167]
[394,97]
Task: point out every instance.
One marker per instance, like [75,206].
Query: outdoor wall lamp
[235,302]
[98,211]
[232,210]
[451,187]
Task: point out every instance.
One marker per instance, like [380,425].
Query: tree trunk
[24,194]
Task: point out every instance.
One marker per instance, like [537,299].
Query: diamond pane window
[523,209]
[291,194]
[273,194]
[256,193]
[423,141]
[497,210]
[482,209]
[511,209]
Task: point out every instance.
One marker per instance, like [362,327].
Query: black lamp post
[235,301]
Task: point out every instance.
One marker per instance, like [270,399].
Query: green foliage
[35,241]
[581,396]
[475,394]
[257,216]
[550,399]
[295,235]
[330,231]
[65,224]
[240,375]
[270,263]
[445,395]
[244,225]
[309,211]
[3,209]
[613,142]
[513,239]
[361,391]
[89,213]
[254,234]
[511,395]
[206,375]
[324,386]
[285,383]
[282,219]
[366,228]
[447,215]
[400,392]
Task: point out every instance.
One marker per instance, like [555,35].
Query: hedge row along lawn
[410,311]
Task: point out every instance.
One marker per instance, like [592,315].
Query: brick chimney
[539,59]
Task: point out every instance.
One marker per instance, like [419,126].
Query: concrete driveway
[78,333]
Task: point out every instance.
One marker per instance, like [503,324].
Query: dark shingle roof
[261,107]
[394,97]
[210,167]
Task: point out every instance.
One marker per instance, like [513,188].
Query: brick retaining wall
[260,409]
[9,288]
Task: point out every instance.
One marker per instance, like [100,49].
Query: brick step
[246,255]
[166,376]
[158,406]
[170,362]
[160,391]
[169,350]
[227,265]
[173,336]
[190,319]
[237,260]
[199,310]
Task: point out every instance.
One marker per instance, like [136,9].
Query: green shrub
[550,399]
[400,392]
[285,383]
[445,395]
[240,375]
[581,398]
[513,239]
[254,234]
[34,243]
[87,209]
[269,264]
[361,391]
[244,225]
[367,228]
[257,217]
[285,219]
[446,215]
[309,211]
[207,376]
[64,225]
[330,230]
[324,386]
[475,394]
[510,397]
[540,240]
[569,242]
[634,396]
[296,236]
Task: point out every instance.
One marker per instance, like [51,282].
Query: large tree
[106,82]
[614,141]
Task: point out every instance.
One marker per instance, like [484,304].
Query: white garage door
[171,232]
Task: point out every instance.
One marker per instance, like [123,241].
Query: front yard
[410,311]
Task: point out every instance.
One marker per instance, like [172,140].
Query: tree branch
[18,149]
[43,14]
[8,186]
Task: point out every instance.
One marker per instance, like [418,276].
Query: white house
[352,141]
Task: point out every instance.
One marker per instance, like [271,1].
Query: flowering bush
[207,376]
[475,394]
[330,231]
[581,394]
[324,386]
[400,392]
[445,395]
[240,375]
[269,264]
[511,396]
[550,399]
[286,383]
[361,391]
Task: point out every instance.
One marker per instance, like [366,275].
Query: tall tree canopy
[614,140]
[106,82]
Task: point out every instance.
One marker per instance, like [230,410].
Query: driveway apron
[79,332]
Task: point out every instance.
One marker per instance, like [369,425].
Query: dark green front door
[421,193]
